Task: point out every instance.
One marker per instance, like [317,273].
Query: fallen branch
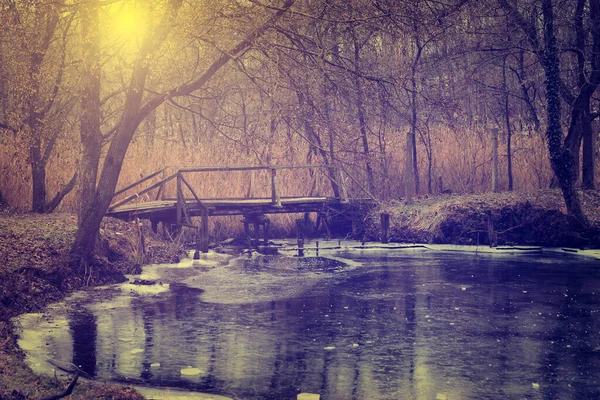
[68,390]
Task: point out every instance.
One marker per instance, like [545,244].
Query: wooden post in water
[138,224]
[300,234]
[495,186]
[204,231]
[197,240]
[256,231]
[246,222]
[266,227]
[385,227]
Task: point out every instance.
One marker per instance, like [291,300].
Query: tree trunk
[315,142]
[360,113]
[38,180]
[89,130]
[38,175]
[589,146]
[561,158]
[414,168]
[334,175]
[89,216]
[495,183]
[409,175]
[508,128]
[411,140]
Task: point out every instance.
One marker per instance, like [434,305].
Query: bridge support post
[202,237]
[204,240]
[253,236]
[300,233]
[322,220]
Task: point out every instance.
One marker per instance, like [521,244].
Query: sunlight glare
[128,22]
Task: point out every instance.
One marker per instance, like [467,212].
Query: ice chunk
[308,396]
[189,371]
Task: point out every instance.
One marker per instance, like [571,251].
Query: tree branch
[68,390]
[191,87]
[52,204]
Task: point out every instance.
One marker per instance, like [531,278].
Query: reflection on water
[406,325]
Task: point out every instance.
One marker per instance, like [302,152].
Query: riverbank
[33,273]
[508,218]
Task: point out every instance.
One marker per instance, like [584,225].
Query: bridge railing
[333,174]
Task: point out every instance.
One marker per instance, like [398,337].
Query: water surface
[409,324]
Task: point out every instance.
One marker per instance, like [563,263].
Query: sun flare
[128,22]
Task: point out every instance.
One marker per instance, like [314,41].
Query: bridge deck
[167,209]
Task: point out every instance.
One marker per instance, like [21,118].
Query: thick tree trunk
[89,214]
[93,210]
[561,158]
[589,146]
[38,186]
[89,130]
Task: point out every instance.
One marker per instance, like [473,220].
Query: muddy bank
[34,272]
[536,218]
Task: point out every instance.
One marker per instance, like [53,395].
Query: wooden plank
[160,191]
[275,199]
[136,195]
[180,199]
[248,168]
[191,190]
[168,210]
[126,188]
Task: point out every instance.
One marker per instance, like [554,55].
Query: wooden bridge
[179,210]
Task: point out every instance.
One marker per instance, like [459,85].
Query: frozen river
[372,324]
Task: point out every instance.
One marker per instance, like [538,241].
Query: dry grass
[461,158]
[535,217]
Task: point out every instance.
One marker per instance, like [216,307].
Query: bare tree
[136,108]
[38,106]
[561,150]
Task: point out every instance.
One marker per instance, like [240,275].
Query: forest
[410,98]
